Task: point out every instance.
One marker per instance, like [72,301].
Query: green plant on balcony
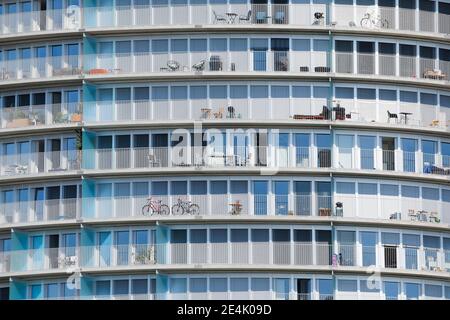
[146,256]
[61,117]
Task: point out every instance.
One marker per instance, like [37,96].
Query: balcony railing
[40,162]
[40,67]
[48,20]
[40,210]
[214,205]
[271,157]
[144,15]
[38,115]
[282,253]
[45,259]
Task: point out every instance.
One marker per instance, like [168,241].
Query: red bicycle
[155,207]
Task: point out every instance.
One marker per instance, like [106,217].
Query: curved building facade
[225,149]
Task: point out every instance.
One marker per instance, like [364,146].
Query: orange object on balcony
[98,71]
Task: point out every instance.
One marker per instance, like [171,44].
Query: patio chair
[392,116]
[199,66]
[173,65]
[219,18]
[231,112]
[218,114]
[246,17]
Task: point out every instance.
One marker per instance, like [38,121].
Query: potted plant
[76,116]
[60,118]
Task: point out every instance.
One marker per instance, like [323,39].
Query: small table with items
[206,113]
[405,115]
[231,17]
[236,208]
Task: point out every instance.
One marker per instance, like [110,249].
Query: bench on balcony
[434,74]
[324,115]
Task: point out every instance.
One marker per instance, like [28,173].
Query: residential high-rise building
[225,149]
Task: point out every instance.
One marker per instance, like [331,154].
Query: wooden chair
[218,114]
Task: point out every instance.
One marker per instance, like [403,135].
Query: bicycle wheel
[164,210]
[177,210]
[365,22]
[146,210]
[194,209]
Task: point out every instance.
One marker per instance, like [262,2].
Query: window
[279,91]
[218,285]
[198,285]
[160,93]
[199,45]
[369,285]
[218,44]
[410,192]
[160,45]
[301,45]
[301,92]
[238,92]
[430,193]
[321,45]
[345,187]
[388,95]
[260,284]
[432,290]
[412,291]
[366,94]
[178,93]
[391,290]
[198,92]
[120,287]
[344,93]
[139,286]
[367,188]
[320,92]
[102,288]
[178,285]
[408,96]
[238,284]
[218,92]
[179,45]
[389,190]
[258,92]
[325,288]
[428,98]
[238,44]
[347,285]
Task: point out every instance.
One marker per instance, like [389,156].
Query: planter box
[76,117]
[17,123]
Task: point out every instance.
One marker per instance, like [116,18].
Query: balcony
[270,157]
[45,259]
[197,62]
[33,163]
[213,205]
[33,21]
[41,115]
[120,255]
[40,211]
[40,68]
